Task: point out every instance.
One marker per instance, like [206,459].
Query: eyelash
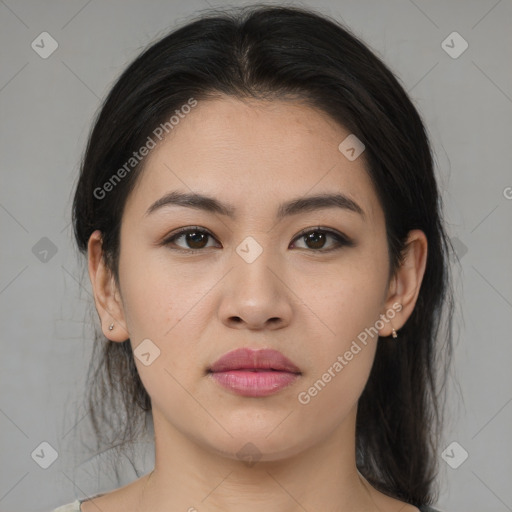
[341,240]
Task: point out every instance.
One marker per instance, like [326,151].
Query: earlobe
[407,281]
[106,297]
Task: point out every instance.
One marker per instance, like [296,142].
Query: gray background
[47,106]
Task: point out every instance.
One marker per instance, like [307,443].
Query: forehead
[254,153]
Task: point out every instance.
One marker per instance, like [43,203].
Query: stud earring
[111,326]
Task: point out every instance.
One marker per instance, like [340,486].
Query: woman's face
[253,280]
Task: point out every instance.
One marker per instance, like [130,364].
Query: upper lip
[254,359]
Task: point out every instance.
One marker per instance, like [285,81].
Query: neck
[193,478]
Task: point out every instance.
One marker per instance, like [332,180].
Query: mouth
[253,372]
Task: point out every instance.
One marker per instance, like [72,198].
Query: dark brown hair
[273,53]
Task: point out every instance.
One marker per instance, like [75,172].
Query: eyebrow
[293,207]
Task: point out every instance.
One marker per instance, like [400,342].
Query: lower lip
[247,383]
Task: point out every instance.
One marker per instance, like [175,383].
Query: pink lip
[253,372]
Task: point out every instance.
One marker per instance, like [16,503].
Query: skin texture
[307,304]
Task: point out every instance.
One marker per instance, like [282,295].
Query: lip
[254,372]
[254,359]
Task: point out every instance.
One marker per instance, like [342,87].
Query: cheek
[347,307]
[329,397]
[340,365]
[345,300]
[156,294]
[165,304]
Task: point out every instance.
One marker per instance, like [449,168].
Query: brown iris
[316,238]
[196,239]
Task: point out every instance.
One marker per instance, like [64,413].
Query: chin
[252,445]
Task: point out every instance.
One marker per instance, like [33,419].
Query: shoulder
[69,507]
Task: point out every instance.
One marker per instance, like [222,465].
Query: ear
[406,283]
[106,296]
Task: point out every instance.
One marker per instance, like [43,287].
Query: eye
[195,238]
[315,239]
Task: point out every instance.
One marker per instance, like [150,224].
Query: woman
[270,269]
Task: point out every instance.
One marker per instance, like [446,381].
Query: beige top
[75,505]
[70,507]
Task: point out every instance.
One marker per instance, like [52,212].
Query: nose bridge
[253,260]
[254,292]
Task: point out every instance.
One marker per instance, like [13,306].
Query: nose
[255,295]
